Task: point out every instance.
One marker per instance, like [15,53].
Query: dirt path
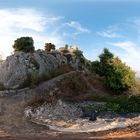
[13,124]
[12,108]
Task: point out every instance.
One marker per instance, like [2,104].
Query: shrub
[124,104]
[78,53]
[35,63]
[106,59]
[103,65]
[2,87]
[119,103]
[24,44]
[49,46]
[64,49]
[34,79]
[118,76]
[121,77]
[1,60]
[30,81]
[95,67]
[136,89]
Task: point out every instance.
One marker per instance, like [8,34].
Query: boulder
[16,69]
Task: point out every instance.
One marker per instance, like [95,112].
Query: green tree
[118,76]
[78,53]
[64,49]
[1,60]
[96,67]
[25,44]
[103,65]
[106,59]
[49,46]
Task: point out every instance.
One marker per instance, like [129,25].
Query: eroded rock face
[15,70]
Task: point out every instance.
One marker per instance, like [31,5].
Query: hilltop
[49,90]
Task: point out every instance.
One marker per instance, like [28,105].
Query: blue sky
[90,24]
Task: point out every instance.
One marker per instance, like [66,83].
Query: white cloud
[132,53]
[23,19]
[78,27]
[27,22]
[135,23]
[110,32]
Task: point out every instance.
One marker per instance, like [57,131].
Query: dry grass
[72,87]
[76,87]
[79,87]
[38,101]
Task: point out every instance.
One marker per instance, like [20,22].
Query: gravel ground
[69,117]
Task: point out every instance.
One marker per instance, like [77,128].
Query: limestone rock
[15,70]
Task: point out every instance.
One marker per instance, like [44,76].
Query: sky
[90,24]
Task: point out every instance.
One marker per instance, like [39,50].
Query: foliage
[49,46]
[34,79]
[35,63]
[124,104]
[2,87]
[24,44]
[121,77]
[64,49]
[118,76]
[105,62]
[96,67]
[135,90]
[1,60]
[119,103]
[78,53]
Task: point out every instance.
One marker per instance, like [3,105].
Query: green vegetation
[25,44]
[78,53]
[34,79]
[121,103]
[49,46]
[35,63]
[124,104]
[64,49]
[1,60]
[2,87]
[118,76]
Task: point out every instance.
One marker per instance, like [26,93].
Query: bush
[1,60]
[119,103]
[49,46]
[95,67]
[35,63]
[64,49]
[124,104]
[2,87]
[118,76]
[34,79]
[121,77]
[25,44]
[78,53]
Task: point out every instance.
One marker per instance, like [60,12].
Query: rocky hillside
[41,91]
[21,68]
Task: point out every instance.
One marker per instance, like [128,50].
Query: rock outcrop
[17,68]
